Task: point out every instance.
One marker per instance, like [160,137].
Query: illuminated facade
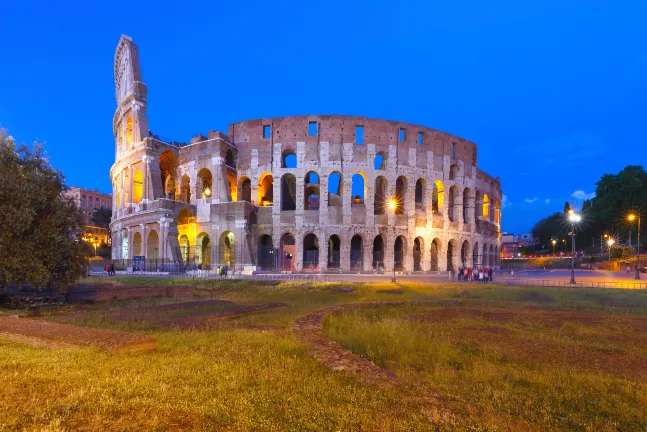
[298,193]
[89,200]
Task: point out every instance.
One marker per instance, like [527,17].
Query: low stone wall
[100,293]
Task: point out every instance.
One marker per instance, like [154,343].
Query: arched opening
[450,255]
[378,253]
[379,163]
[476,262]
[453,172]
[435,250]
[497,257]
[497,212]
[356,252]
[478,206]
[288,192]
[246,190]
[418,247]
[206,181]
[203,251]
[334,251]
[400,194]
[168,167]
[335,188]
[453,204]
[137,244]
[311,191]
[117,200]
[186,188]
[398,253]
[486,207]
[227,245]
[484,256]
[287,252]
[230,161]
[266,253]
[380,203]
[289,159]
[233,186]
[138,186]
[438,197]
[358,188]
[124,248]
[420,194]
[466,205]
[129,131]
[465,252]
[185,249]
[185,217]
[152,246]
[266,190]
[310,251]
[491,257]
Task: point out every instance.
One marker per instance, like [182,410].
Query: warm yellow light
[207,192]
[610,242]
[631,217]
[392,204]
[571,211]
[554,241]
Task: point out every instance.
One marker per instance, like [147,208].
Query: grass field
[501,358]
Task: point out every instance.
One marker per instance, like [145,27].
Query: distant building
[509,245]
[89,200]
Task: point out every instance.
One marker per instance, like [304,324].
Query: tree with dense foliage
[567,207]
[549,228]
[39,238]
[101,217]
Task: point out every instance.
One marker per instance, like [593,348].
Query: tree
[567,208]
[101,218]
[41,230]
[548,228]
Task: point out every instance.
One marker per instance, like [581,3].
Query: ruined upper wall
[337,130]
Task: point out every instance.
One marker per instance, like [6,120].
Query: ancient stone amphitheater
[297,193]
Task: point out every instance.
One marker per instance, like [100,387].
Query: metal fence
[561,283]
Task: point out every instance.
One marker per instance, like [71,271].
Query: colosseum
[302,193]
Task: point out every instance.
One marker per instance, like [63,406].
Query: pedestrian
[223,272]
[481,276]
[200,270]
[112,269]
[218,271]
[491,275]
[193,268]
[460,274]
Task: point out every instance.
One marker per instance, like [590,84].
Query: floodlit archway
[438,197]
[418,247]
[400,194]
[138,186]
[334,251]
[266,190]
[266,253]
[227,245]
[378,253]
[486,207]
[137,244]
[168,171]
[233,186]
[129,131]
[335,189]
[152,246]
[381,199]
[246,189]
[398,253]
[434,252]
[287,252]
[205,180]
[420,193]
[453,204]
[288,192]
[310,251]
[203,251]
[356,252]
[186,188]
[185,248]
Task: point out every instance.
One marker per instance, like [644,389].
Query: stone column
[298,251]
[323,250]
[367,251]
[131,184]
[144,240]
[130,243]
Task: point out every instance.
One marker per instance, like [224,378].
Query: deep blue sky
[554,92]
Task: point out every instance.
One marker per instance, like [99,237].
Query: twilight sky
[554,92]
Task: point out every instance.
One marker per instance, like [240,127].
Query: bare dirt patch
[55,335]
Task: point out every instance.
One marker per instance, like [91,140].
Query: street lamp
[631,217]
[393,204]
[573,218]
[554,243]
[610,243]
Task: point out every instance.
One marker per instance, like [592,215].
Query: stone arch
[484,256]
[401,194]
[334,251]
[245,189]
[451,254]
[378,252]
[379,162]
[266,190]
[311,193]
[185,216]
[358,188]
[491,257]
[356,252]
[434,252]
[478,206]
[138,186]
[205,181]
[227,246]
[137,244]
[466,205]
[454,171]
[418,249]
[486,207]
[438,197]
[420,193]
[202,252]
[185,248]
[399,246]
[289,159]
[335,189]
[453,204]
[186,188]
[288,192]
[230,160]
[381,199]
[232,192]
[129,131]
[153,245]
[168,171]
[465,254]
[266,253]
[497,257]
[288,258]
[310,251]
[475,256]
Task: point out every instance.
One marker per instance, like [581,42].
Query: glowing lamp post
[573,219]
[393,204]
[610,244]
[554,243]
[632,217]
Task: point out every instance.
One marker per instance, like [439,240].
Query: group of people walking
[110,269]
[475,275]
